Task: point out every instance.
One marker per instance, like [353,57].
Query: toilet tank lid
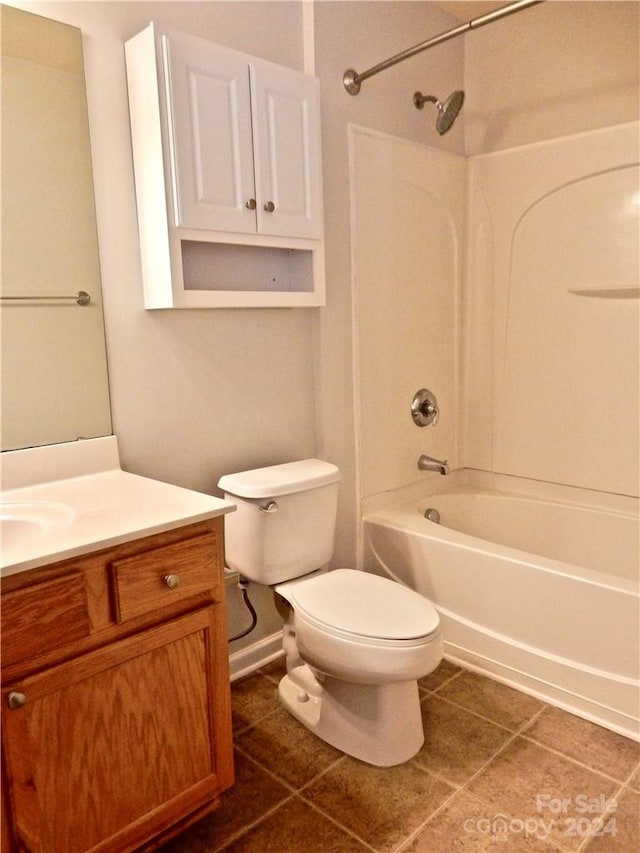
[275,480]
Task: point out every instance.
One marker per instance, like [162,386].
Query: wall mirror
[54,367]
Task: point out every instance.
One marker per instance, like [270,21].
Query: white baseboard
[260,653]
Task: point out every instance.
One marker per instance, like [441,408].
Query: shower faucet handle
[424,408]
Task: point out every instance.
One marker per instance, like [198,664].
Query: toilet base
[378,724]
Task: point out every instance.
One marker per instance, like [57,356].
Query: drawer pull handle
[16,700]
[172,581]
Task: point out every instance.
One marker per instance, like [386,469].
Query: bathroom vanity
[116,723]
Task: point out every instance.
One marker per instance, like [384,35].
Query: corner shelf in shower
[608,292]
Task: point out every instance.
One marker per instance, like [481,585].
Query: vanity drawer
[44,616]
[163,576]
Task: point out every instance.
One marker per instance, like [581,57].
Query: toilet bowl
[355,643]
[353,662]
[361,627]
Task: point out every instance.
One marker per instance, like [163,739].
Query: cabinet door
[112,747]
[286,141]
[209,115]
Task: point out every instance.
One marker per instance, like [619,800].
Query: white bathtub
[539,590]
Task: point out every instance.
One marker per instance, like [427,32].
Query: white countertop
[92,511]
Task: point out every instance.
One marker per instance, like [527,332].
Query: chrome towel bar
[81,297]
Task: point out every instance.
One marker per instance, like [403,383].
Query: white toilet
[355,643]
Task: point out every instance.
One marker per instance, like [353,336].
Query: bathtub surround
[541,332]
[592,48]
[408,225]
[493,759]
[554,270]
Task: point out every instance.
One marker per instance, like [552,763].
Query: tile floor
[499,771]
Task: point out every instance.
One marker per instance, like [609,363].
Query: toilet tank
[284,525]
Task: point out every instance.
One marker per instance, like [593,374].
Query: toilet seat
[363,608]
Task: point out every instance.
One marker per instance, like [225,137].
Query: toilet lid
[363,604]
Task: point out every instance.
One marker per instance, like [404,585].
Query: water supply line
[352,80]
[243,585]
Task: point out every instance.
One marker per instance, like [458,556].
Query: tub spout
[427,463]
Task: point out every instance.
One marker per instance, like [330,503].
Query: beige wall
[195,394]
[557,68]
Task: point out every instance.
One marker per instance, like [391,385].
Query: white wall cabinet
[227,163]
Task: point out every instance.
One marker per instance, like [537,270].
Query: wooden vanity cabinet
[116,722]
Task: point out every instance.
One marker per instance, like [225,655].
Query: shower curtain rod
[352,80]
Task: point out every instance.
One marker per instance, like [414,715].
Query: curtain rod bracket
[352,80]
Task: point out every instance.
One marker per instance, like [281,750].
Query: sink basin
[62,501]
[24,520]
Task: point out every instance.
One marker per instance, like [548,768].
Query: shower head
[447,109]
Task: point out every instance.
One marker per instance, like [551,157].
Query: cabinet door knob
[251,204]
[269,207]
[16,700]
[172,581]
